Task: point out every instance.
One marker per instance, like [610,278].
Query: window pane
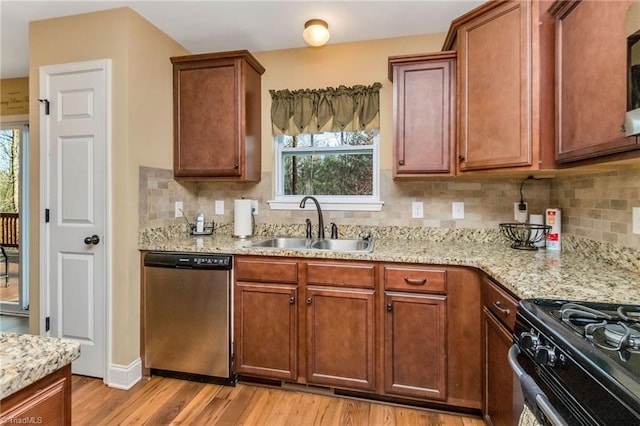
[328,174]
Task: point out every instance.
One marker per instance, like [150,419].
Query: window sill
[358,206]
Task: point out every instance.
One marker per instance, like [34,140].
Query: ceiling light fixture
[316,32]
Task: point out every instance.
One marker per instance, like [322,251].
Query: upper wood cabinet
[505,86]
[591,68]
[423,114]
[216,116]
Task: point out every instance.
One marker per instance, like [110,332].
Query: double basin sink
[337,245]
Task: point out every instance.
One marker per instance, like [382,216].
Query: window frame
[329,202]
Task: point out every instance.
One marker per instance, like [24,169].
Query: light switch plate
[178,209]
[457,210]
[417,210]
[219,207]
[254,207]
[635,220]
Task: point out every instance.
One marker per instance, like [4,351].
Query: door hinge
[47,324]
[46,215]
[46,105]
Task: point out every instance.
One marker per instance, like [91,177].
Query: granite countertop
[25,359]
[527,274]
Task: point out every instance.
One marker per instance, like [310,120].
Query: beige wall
[141,132]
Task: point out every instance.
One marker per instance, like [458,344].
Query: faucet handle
[334,231]
[366,236]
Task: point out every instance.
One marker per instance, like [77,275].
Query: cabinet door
[415,345]
[265,330]
[592,79]
[494,78]
[207,119]
[340,337]
[423,118]
[499,396]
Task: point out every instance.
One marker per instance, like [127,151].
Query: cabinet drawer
[341,274]
[422,280]
[266,270]
[501,304]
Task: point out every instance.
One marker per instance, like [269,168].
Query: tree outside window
[9,170]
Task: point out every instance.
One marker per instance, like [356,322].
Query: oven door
[534,397]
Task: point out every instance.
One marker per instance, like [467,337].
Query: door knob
[94,239]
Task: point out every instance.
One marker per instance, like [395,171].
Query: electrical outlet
[417,210]
[457,210]
[254,207]
[219,207]
[520,215]
[178,212]
[635,220]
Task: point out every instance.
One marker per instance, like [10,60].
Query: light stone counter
[25,359]
[543,274]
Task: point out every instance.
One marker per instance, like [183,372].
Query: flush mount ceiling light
[316,32]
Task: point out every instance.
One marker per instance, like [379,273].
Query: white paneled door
[74,139]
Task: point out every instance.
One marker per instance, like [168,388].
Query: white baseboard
[125,376]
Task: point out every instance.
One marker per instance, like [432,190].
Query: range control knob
[546,356]
[529,341]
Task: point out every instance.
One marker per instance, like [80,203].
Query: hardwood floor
[164,401]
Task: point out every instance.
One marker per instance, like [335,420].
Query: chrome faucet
[320,219]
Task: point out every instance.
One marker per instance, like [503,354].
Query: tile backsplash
[487,202]
[598,206]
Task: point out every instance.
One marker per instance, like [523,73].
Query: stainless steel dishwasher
[187,315]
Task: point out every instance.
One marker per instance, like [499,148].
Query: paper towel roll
[537,219]
[242,218]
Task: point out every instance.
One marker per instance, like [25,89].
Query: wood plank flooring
[165,401]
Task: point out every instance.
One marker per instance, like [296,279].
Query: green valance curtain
[322,110]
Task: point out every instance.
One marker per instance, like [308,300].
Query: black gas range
[579,362]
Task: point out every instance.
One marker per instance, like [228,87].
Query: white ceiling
[214,25]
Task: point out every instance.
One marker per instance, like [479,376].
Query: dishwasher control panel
[188,260]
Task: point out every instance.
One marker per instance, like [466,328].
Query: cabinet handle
[292,300]
[401,162]
[309,301]
[499,307]
[236,165]
[414,281]
[389,307]
[461,158]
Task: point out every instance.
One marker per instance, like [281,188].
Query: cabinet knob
[623,128]
[461,158]
[236,165]
[309,301]
[292,300]
[389,307]
[401,163]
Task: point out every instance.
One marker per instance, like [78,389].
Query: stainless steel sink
[293,243]
[284,243]
[343,245]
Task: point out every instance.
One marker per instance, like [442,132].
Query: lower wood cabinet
[266,317]
[502,402]
[400,331]
[340,337]
[266,330]
[415,345]
[47,401]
